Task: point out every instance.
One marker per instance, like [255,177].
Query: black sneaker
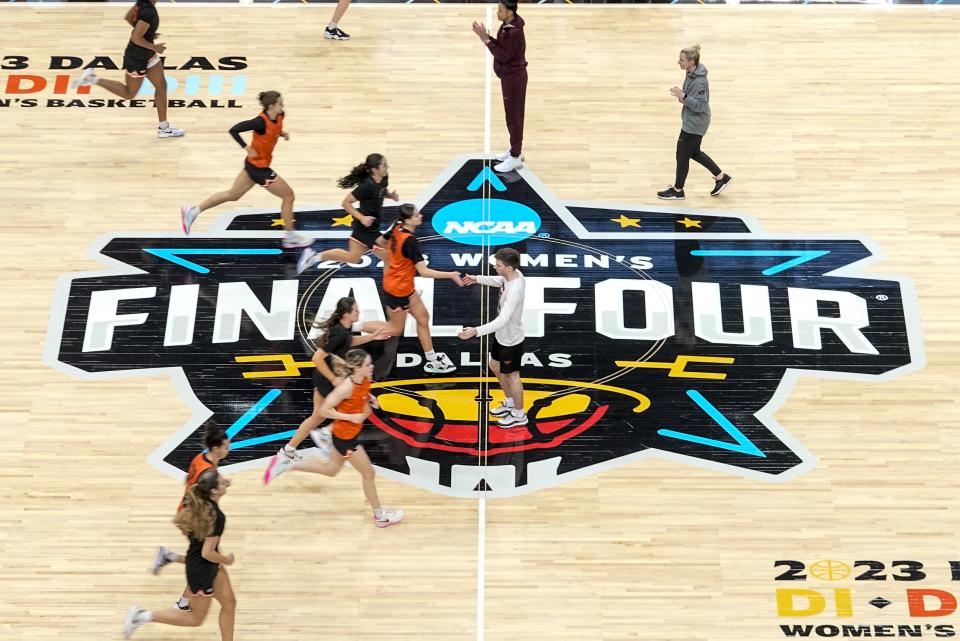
[721,185]
[671,194]
[335,34]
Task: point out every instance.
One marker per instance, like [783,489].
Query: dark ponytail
[360,172]
[268,98]
[344,307]
[404,213]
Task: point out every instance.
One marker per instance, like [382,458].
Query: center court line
[482,501]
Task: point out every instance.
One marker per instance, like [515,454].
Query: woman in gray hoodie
[695,118]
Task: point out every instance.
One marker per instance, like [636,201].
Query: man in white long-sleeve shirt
[506,349]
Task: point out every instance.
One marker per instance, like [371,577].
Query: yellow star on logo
[277,222]
[626,222]
[688,223]
[343,222]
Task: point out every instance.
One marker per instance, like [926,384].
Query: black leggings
[688,146]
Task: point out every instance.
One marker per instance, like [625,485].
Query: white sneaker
[510,164]
[503,409]
[388,517]
[308,258]
[293,240]
[279,464]
[296,457]
[506,156]
[188,214]
[169,131]
[316,331]
[86,77]
[322,437]
[516,418]
[441,364]
[133,621]
[161,558]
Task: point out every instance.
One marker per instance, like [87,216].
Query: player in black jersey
[203,523]
[369,180]
[336,337]
[140,60]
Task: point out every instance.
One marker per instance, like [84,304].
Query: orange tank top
[264,143]
[355,404]
[400,272]
[198,466]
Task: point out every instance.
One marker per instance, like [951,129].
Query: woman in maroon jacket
[510,65]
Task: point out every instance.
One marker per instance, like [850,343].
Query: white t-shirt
[508,324]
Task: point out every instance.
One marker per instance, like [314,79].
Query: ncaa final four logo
[649,333]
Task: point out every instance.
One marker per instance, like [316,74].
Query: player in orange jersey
[267,128]
[349,405]
[336,337]
[403,262]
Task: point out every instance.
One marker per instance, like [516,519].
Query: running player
[404,260]
[141,59]
[349,405]
[217,447]
[506,350]
[369,180]
[202,521]
[335,340]
[266,128]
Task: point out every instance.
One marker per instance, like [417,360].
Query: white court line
[482,501]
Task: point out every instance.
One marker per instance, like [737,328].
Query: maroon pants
[514,88]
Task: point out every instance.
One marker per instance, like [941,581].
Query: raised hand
[481,32]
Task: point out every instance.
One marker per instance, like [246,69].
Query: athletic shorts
[366,236]
[321,384]
[509,357]
[136,60]
[346,446]
[263,176]
[200,579]
[396,302]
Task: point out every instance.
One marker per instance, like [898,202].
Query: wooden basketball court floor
[833,120]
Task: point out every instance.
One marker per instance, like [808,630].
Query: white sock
[516,412]
[332,26]
[508,401]
[289,450]
[378,513]
[144,617]
[431,355]
[172,556]
[163,125]
[183,602]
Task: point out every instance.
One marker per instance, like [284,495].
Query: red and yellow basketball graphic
[445,414]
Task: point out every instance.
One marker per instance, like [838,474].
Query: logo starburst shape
[677,337]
